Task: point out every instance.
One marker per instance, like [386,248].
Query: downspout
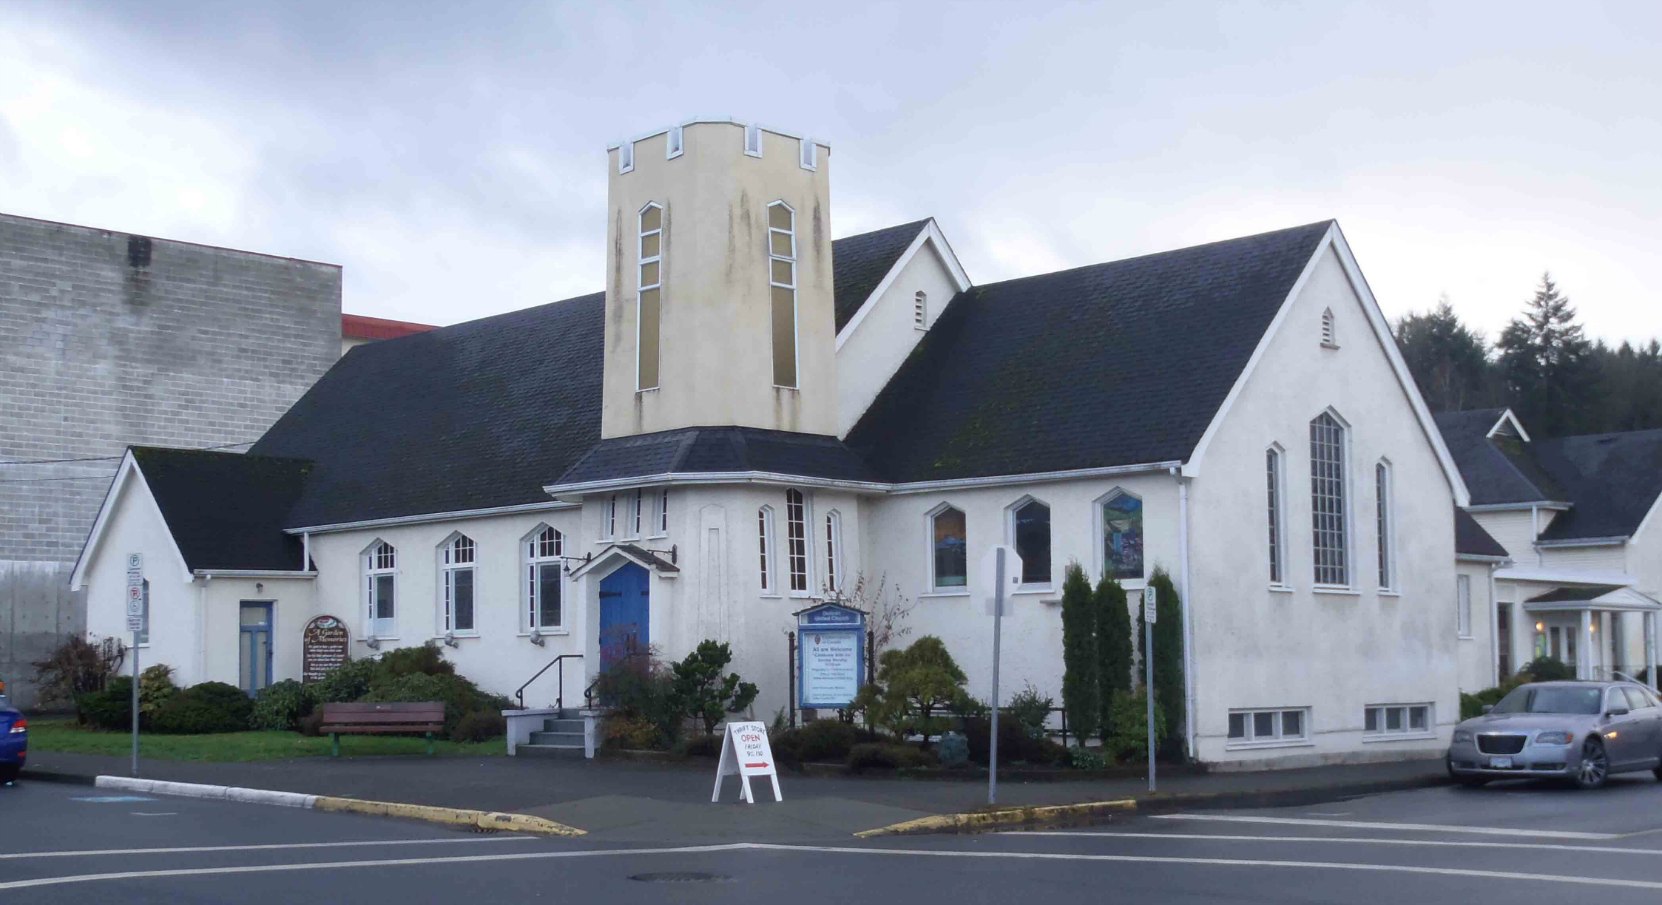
[306,551]
[202,629]
[1494,629]
[1189,733]
[1535,533]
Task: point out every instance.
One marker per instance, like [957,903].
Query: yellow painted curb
[485,820]
[1003,818]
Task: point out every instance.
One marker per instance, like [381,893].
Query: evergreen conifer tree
[1169,681]
[1114,648]
[1548,365]
[1081,668]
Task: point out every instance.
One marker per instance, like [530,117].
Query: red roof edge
[359,326]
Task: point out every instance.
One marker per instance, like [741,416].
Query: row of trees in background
[1543,366]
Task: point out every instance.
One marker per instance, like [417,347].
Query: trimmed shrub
[1113,646]
[953,750]
[1128,731]
[1015,746]
[702,692]
[479,726]
[631,733]
[347,682]
[1030,710]
[1081,664]
[111,708]
[822,741]
[1169,681]
[281,705]
[887,756]
[205,708]
[155,689]
[427,659]
[1546,669]
[459,696]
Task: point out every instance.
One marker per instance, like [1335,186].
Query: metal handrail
[560,699]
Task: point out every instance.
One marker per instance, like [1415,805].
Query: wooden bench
[425,717]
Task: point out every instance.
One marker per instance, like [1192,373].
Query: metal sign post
[135,624]
[1150,613]
[1002,566]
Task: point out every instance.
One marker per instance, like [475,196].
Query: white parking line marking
[155,813]
[840,850]
[275,846]
[1546,846]
[1395,827]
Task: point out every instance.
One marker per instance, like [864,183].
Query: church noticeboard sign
[322,648]
[831,656]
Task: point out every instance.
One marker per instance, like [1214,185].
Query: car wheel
[1594,768]
[1472,782]
[8,772]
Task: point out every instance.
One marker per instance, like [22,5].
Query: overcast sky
[451,155]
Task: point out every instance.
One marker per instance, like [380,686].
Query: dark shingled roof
[1471,540]
[474,416]
[859,263]
[226,510]
[1575,595]
[1612,480]
[717,449]
[1113,364]
[1497,470]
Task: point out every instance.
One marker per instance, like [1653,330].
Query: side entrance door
[254,637]
[624,615]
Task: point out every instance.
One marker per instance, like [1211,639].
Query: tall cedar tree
[1449,360]
[1548,365]
[1168,658]
[1081,665]
[1114,650]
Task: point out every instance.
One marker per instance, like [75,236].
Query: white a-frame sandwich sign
[745,752]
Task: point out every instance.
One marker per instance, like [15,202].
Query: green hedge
[205,708]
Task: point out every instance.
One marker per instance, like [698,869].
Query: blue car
[14,739]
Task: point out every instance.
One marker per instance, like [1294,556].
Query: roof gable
[1496,465]
[860,262]
[1470,539]
[1113,364]
[1612,480]
[226,510]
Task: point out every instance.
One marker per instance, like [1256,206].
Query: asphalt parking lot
[62,843]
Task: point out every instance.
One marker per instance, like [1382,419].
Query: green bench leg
[334,738]
[429,744]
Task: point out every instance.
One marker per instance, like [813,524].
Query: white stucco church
[752,415]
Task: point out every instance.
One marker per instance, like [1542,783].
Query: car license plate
[1500,763]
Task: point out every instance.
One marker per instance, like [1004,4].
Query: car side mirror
[1488,707]
[1616,712]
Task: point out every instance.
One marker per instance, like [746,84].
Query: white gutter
[1551,505]
[253,573]
[1188,617]
[1611,541]
[427,517]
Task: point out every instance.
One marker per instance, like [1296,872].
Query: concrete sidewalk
[633,802]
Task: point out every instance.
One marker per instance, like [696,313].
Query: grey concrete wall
[108,340]
[37,612]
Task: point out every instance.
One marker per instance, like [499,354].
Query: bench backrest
[400,713]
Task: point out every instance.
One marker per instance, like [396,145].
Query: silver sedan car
[1580,731]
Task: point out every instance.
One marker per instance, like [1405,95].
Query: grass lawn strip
[68,737]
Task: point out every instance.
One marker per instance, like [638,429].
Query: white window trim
[446,568]
[1348,547]
[807,545]
[1010,540]
[1404,734]
[674,143]
[529,558]
[936,589]
[641,286]
[608,517]
[836,560]
[796,313]
[660,513]
[767,575]
[1278,511]
[1099,532]
[1307,739]
[808,154]
[626,157]
[1385,524]
[370,572]
[753,141]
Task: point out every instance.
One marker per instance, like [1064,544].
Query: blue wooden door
[624,614]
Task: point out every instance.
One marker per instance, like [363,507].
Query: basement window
[1397,720]
[1269,727]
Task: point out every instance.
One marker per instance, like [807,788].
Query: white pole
[1148,690]
[992,744]
[135,701]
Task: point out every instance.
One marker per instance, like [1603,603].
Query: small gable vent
[920,310]
[1330,337]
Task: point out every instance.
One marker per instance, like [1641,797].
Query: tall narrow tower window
[809,154]
[1328,481]
[782,286]
[650,288]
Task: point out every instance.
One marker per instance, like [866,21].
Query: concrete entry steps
[560,736]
